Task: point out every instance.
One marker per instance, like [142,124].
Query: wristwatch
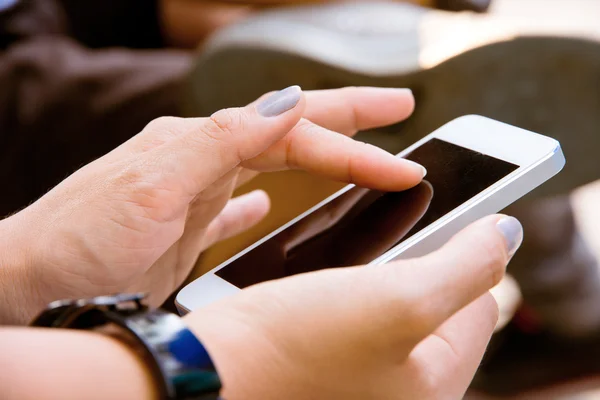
[179,363]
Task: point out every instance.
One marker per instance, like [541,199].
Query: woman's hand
[414,329]
[137,218]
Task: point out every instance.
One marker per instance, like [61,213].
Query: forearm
[40,363]
[19,296]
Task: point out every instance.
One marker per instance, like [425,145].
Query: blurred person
[137,218]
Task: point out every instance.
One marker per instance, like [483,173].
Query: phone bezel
[526,149]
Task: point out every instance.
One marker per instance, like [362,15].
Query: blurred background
[80,77]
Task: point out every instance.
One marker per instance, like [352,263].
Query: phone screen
[361,224]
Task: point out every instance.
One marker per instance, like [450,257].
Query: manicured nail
[280,102]
[422,168]
[512,230]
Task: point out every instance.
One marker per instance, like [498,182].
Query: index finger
[322,152]
[347,111]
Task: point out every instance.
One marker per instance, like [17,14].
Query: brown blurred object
[463,5]
[186,22]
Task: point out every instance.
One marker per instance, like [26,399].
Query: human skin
[136,219]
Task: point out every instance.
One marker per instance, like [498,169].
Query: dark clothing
[78,78]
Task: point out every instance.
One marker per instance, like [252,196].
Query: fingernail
[512,230]
[280,102]
[422,168]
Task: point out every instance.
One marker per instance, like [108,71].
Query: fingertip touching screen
[360,225]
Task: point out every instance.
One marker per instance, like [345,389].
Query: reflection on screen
[361,224]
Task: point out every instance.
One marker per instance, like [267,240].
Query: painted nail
[280,102]
[423,169]
[512,230]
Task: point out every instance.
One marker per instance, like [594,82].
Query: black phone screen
[361,224]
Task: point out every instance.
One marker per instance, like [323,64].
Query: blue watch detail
[185,349]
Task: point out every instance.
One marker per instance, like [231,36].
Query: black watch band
[180,364]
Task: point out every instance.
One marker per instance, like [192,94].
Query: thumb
[201,150]
[407,300]
[424,292]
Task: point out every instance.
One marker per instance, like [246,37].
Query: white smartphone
[475,167]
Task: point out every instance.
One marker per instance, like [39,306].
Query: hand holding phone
[475,167]
[358,333]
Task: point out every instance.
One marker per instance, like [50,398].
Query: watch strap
[179,362]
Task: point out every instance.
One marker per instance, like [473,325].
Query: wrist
[20,298]
[213,342]
[176,362]
[70,364]
[235,349]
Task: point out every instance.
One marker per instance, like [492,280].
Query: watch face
[59,310]
[112,300]
[115,299]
